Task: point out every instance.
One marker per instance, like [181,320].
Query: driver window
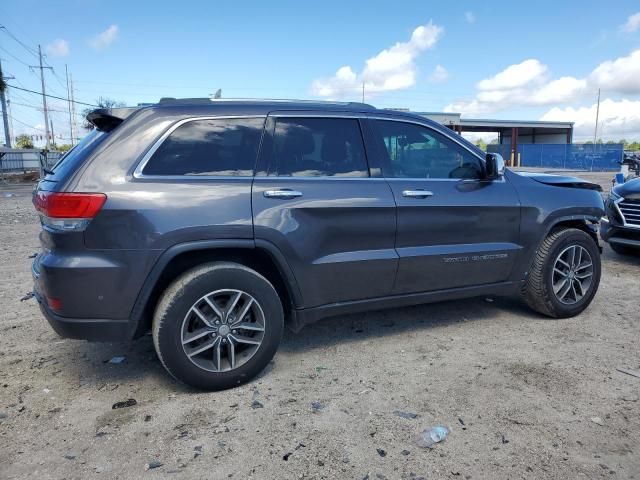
[414,151]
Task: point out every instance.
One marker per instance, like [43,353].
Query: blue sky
[483,59]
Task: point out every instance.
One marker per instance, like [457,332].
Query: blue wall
[573,156]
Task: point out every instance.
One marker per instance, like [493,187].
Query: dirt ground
[524,396]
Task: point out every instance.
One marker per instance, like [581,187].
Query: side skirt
[301,318]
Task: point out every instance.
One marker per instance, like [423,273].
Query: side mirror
[495,165]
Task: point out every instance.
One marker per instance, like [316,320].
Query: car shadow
[375,324]
[89,363]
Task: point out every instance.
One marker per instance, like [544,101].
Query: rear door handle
[417,193]
[284,194]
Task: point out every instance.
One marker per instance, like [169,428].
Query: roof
[477,122]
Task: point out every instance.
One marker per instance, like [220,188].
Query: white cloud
[616,119]
[391,69]
[529,84]
[439,75]
[104,39]
[58,48]
[621,75]
[632,25]
[514,76]
[470,17]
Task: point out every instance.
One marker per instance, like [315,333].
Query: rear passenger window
[222,146]
[318,147]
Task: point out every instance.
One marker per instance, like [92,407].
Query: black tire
[180,296]
[623,249]
[538,288]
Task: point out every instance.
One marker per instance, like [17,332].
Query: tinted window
[413,151]
[220,146]
[70,161]
[314,147]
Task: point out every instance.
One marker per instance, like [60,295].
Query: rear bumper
[94,330]
[627,237]
[97,330]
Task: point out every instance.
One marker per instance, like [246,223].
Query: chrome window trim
[137,173]
[624,219]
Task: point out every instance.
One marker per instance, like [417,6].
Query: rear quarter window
[220,147]
[74,158]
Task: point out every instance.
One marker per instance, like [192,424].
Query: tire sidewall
[192,286]
[572,237]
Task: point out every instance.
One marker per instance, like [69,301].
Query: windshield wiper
[47,171]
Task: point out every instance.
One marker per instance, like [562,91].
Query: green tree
[24,141]
[101,102]
[65,147]
[481,144]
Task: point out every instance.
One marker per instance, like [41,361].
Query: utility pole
[595,132]
[44,95]
[53,135]
[73,110]
[5,116]
[66,71]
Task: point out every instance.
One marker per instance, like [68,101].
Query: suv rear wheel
[217,325]
[565,274]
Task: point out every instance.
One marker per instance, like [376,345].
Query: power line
[53,96]
[26,47]
[13,56]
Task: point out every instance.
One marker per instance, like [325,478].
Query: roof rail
[209,101]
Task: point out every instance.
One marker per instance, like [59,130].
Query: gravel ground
[524,396]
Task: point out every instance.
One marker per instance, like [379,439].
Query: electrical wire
[53,96]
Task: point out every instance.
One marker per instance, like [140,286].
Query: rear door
[315,199]
[455,228]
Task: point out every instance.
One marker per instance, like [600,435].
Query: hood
[630,189]
[561,180]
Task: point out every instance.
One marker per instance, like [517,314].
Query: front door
[455,228]
[315,200]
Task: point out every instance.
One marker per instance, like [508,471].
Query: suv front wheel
[218,325]
[565,274]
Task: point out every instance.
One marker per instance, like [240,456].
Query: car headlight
[613,196]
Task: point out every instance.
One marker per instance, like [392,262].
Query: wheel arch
[260,256]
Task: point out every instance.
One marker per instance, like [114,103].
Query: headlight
[613,196]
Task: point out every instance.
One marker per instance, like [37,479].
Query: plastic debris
[28,296]
[597,421]
[153,464]
[381,452]
[117,360]
[409,415]
[318,407]
[256,404]
[127,403]
[633,373]
[431,436]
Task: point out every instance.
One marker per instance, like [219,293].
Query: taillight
[68,211]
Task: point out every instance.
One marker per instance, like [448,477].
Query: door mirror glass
[495,165]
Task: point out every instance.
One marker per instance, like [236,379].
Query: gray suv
[215,223]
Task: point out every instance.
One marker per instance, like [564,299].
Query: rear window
[221,147]
[69,162]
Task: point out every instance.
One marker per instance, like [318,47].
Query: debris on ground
[256,404]
[3,415]
[127,403]
[409,415]
[27,296]
[405,452]
[116,360]
[598,421]
[381,452]
[633,373]
[70,456]
[147,418]
[464,427]
[318,407]
[33,255]
[153,464]
[428,438]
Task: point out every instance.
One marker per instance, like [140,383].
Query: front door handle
[417,193]
[284,194]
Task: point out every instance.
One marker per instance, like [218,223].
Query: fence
[23,160]
[598,157]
